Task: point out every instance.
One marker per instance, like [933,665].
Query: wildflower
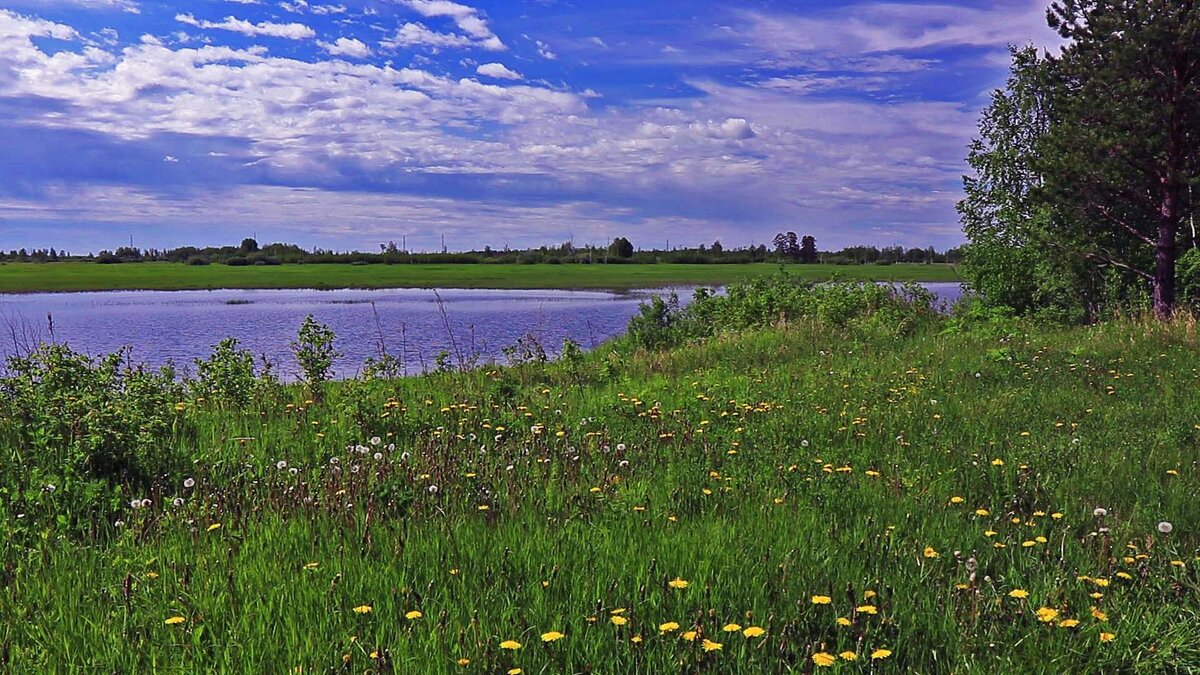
[753,632]
[997,462]
[982,512]
[731,628]
[957,500]
[515,671]
[880,654]
[311,565]
[710,646]
[281,465]
[189,483]
[677,583]
[690,636]
[843,621]
[1165,527]
[848,655]
[821,599]
[1047,614]
[432,489]
[1107,637]
[413,615]
[463,662]
[619,620]
[175,621]
[552,636]
[930,552]
[364,609]
[824,659]
[636,639]
[1099,615]
[214,526]
[867,609]
[1068,623]
[177,502]
[668,627]
[511,645]
[1018,593]
[1099,512]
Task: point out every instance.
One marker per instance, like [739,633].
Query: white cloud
[346,47]
[417,35]
[325,10]
[289,31]
[466,18]
[498,71]
[127,6]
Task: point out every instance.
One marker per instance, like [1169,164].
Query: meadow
[785,479]
[81,276]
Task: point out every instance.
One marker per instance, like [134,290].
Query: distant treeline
[621,251]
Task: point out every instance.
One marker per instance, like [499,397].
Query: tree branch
[1117,263]
[1126,226]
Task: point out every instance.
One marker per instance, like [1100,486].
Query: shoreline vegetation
[84,276]
[787,477]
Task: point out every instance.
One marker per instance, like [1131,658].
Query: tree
[621,248]
[808,249]
[716,247]
[1122,152]
[249,245]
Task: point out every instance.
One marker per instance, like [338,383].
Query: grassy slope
[28,277]
[750,481]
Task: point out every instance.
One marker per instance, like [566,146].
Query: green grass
[762,468]
[30,277]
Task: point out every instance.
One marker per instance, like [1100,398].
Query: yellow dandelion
[413,615]
[710,646]
[930,552]
[1099,615]
[821,599]
[677,583]
[1018,593]
[364,609]
[1047,614]
[515,671]
[175,621]
[690,636]
[214,526]
[753,632]
[867,609]
[957,500]
[843,621]
[511,645]
[982,512]
[824,659]
[880,654]
[618,620]
[668,627]
[552,636]
[848,655]
[1107,637]
[463,662]
[731,628]
[636,639]
[1068,623]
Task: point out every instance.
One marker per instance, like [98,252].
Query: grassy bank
[30,277]
[861,489]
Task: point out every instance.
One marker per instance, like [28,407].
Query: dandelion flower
[515,671]
[710,646]
[982,512]
[690,636]
[214,526]
[677,583]
[753,632]
[552,636]
[824,659]
[880,654]
[413,615]
[1099,615]
[848,655]
[1107,637]
[1068,623]
[175,621]
[843,621]
[867,609]
[930,552]
[619,620]
[731,628]
[957,500]
[821,599]
[364,609]
[463,662]
[668,627]
[1047,614]
[1018,593]
[1165,527]
[511,645]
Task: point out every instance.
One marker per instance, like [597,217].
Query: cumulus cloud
[289,31]
[346,47]
[473,26]
[498,71]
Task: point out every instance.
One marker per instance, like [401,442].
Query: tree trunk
[1164,257]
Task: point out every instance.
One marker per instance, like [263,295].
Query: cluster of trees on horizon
[1087,168]
[787,247]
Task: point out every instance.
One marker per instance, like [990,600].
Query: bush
[227,376]
[197,260]
[315,354]
[237,261]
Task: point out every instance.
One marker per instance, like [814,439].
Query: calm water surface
[178,326]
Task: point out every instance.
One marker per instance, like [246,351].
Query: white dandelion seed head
[620,447]
[135,504]
[1165,527]
[177,502]
[804,443]
[433,489]
[378,456]
[1100,512]
[404,457]
[281,465]
[189,483]
[119,523]
[623,463]
[333,461]
[293,471]
[375,440]
[509,467]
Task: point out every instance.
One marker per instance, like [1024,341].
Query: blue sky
[345,123]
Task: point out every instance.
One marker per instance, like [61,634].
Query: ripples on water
[411,324]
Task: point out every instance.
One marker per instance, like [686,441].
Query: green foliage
[315,353]
[227,376]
